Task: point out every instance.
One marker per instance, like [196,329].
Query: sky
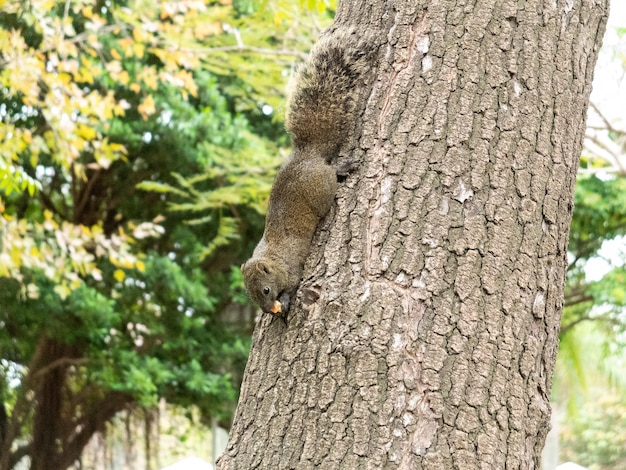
[609,94]
[609,84]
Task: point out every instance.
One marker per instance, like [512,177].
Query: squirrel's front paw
[284,300]
[346,168]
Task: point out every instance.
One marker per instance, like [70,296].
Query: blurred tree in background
[137,148]
[590,379]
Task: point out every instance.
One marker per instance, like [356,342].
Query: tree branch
[80,38]
[62,362]
[578,300]
[604,119]
[244,48]
[99,414]
[21,406]
[79,206]
[48,204]
[568,327]
[611,155]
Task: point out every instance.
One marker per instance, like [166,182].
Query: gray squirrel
[321,106]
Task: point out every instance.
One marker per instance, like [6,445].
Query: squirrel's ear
[262,267]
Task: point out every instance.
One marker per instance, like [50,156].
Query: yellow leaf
[116,55]
[150,78]
[127,46]
[147,107]
[118,110]
[124,263]
[86,132]
[278,18]
[119,275]
[93,41]
[139,35]
[140,265]
[86,71]
[117,148]
[62,290]
[123,77]
[203,30]
[138,49]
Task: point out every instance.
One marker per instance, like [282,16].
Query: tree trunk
[49,405]
[60,431]
[441,268]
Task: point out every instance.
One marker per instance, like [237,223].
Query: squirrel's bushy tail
[325,88]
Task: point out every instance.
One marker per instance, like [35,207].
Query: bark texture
[441,268]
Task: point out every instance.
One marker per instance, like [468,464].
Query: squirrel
[318,111]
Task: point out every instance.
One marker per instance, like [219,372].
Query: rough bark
[441,268]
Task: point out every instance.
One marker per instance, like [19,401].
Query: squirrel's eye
[266,290]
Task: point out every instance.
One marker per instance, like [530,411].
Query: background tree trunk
[441,267]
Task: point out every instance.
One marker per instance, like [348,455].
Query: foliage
[162,436]
[596,289]
[590,365]
[600,215]
[595,437]
[138,144]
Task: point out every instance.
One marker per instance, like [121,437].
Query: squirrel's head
[264,284]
